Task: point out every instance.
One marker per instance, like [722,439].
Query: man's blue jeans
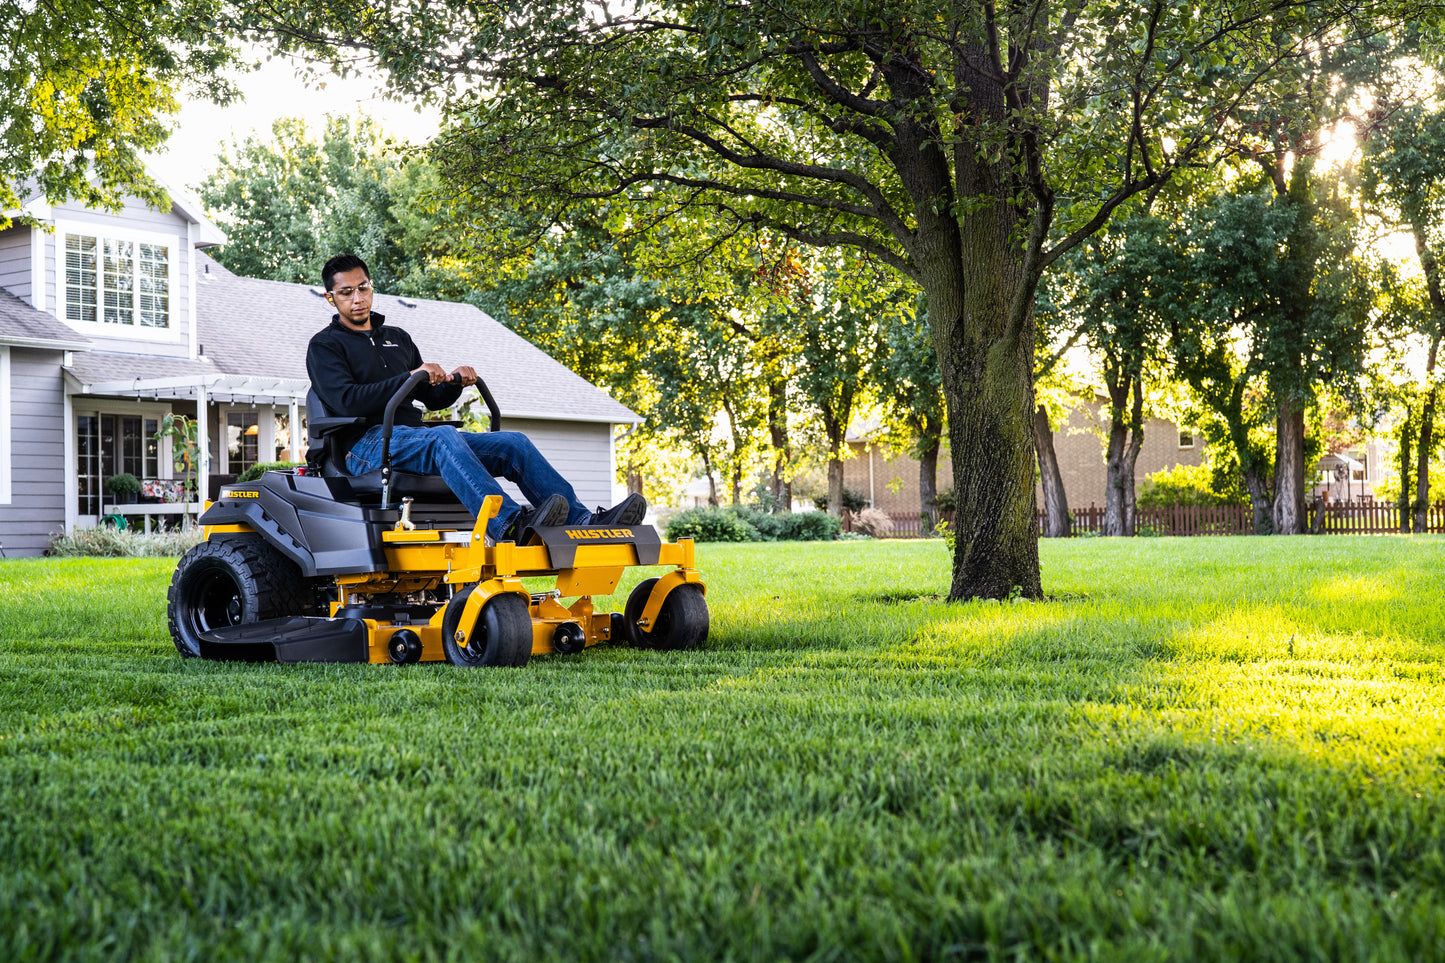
[468,462]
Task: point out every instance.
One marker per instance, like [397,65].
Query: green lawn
[1210,748]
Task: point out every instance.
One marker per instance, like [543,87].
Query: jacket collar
[377,321]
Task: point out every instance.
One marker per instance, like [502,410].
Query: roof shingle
[19,322]
[254,327]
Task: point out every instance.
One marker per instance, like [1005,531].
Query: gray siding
[37,453]
[50,277]
[135,216]
[579,450]
[15,262]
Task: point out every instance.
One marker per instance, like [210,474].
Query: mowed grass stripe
[1203,749]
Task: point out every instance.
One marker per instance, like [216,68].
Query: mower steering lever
[388,419]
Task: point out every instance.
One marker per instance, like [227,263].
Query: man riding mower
[315,565]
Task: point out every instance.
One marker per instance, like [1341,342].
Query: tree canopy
[967,146]
[289,203]
[87,88]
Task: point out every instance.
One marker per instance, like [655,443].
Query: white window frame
[122,409]
[99,328]
[1193,439]
[6,466]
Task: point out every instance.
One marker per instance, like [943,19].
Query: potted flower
[123,488]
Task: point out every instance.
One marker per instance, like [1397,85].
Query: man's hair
[339,264]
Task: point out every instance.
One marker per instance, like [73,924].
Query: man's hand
[434,372]
[467,374]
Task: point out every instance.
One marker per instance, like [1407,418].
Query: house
[1081,443]
[890,481]
[108,322]
[887,480]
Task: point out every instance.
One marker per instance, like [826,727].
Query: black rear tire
[231,582]
[681,624]
[502,637]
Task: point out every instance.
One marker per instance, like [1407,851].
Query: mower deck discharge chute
[391,567]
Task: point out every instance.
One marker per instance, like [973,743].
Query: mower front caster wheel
[682,623]
[502,637]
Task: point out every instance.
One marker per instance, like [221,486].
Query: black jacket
[356,372]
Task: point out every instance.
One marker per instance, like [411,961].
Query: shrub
[769,527]
[710,525]
[810,527]
[852,501]
[871,521]
[749,523]
[946,501]
[259,469]
[105,542]
[1182,485]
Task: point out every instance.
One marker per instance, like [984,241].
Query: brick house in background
[1080,445]
[887,481]
[890,482]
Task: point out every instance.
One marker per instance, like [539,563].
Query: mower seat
[325,457]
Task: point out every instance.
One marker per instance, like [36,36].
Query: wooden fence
[1180,520]
[1342,518]
[904,525]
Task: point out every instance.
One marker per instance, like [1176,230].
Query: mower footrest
[297,639]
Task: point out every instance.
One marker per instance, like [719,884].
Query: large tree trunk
[928,481]
[1431,266]
[1260,501]
[1426,443]
[835,429]
[1113,522]
[711,479]
[1289,469]
[987,363]
[835,485]
[1131,459]
[1422,463]
[1121,503]
[1057,521]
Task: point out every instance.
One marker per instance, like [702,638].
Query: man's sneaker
[553,511]
[630,511]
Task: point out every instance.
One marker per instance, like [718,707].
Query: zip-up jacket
[356,372]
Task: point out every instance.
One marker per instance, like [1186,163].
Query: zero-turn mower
[313,565]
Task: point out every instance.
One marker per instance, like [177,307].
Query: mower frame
[396,589]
